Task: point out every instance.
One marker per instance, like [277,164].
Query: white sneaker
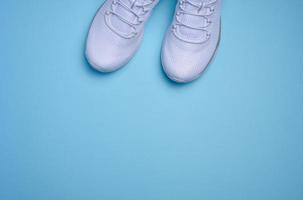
[116,33]
[192,39]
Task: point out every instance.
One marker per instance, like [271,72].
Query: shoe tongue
[124,13]
[201,1]
[191,34]
[192,20]
[192,5]
[196,1]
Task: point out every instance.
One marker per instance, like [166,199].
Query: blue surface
[68,132]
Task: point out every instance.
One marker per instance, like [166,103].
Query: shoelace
[145,7]
[204,5]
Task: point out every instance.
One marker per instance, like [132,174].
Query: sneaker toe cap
[102,61]
[182,68]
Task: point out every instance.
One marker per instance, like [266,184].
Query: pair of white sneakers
[189,45]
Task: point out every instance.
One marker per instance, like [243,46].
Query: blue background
[69,132]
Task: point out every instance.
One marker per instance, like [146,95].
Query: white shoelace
[135,8]
[200,9]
